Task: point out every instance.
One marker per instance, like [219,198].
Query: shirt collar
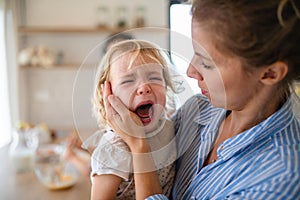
[263,131]
[208,115]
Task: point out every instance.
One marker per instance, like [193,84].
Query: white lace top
[112,156]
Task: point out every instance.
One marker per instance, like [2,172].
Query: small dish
[52,170]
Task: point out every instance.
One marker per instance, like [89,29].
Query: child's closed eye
[127,81]
[156,78]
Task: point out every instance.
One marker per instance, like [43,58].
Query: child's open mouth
[144,111]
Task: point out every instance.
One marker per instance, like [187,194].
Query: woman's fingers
[106,90]
[123,112]
[112,115]
[119,117]
[118,106]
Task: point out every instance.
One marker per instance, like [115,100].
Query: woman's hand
[124,122]
[130,128]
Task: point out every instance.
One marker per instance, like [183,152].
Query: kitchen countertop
[26,186]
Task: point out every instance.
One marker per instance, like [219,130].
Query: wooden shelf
[54,67]
[38,30]
[32,30]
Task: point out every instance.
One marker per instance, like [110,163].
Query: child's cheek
[124,95]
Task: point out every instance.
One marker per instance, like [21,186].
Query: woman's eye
[199,61]
[206,66]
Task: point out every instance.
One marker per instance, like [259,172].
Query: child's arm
[83,165]
[105,186]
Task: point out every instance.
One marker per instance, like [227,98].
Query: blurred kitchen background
[51,49]
[49,52]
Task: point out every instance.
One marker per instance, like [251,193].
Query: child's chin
[151,126]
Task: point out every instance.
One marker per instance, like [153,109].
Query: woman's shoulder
[198,104]
[198,100]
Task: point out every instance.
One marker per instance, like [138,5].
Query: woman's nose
[144,89]
[192,72]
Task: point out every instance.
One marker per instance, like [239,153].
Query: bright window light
[5,118]
[181,49]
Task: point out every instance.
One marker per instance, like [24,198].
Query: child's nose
[144,89]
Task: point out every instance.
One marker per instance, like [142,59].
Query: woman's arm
[105,186]
[145,174]
[130,128]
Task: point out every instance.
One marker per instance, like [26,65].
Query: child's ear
[274,73]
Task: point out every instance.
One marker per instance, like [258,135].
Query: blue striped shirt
[259,163]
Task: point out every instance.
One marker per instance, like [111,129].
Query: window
[6,74]
[181,50]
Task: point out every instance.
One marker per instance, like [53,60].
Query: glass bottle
[22,149]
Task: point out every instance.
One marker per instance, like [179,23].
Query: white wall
[47,94]
[84,13]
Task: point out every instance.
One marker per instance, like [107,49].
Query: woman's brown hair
[259,32]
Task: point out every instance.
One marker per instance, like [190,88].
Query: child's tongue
[144,113]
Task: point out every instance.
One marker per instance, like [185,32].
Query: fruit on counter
[44,132]
[21,125]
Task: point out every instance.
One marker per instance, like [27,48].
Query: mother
[240,138]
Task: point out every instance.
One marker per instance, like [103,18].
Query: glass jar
[103,16]
[140,16]
[122,17]
[22,149]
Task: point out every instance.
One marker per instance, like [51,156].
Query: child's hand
[69,153]
[124,122]
[74,141]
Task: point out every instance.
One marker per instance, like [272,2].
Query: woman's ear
[274,73]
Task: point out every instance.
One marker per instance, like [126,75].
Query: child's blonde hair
[136,48]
